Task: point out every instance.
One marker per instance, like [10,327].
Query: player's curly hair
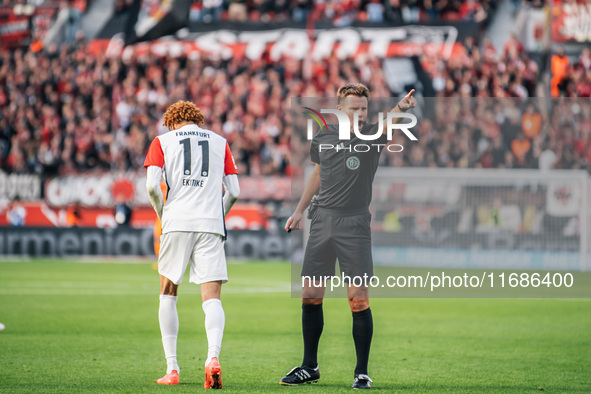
[354,89]
[182,111]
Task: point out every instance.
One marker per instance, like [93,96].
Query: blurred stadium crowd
[341,13]
[65,111]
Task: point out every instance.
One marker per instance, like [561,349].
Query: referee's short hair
[352,89]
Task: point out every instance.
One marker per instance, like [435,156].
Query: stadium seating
[64,111]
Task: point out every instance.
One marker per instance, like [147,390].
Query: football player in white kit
[195,162]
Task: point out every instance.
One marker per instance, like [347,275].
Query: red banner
[102,190]
[18,23]
[39,214]
[14,31]
[344,43]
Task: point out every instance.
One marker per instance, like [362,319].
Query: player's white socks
[169,327]
[214,326]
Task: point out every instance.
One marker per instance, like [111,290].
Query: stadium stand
[64,111]
[342,13]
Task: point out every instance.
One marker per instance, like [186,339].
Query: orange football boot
[213,375]
[169,378]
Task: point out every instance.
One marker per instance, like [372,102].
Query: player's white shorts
[205,251]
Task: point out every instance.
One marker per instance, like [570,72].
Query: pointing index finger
[410,94]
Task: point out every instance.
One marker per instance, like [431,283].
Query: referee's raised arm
[408,102]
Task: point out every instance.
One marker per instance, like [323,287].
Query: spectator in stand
[585,59]
[531,122]
[122,211]
[73,215]
[74,16]
[212,11]
[481,72]
[339,12]
[375,11]
[431,9]
[237,11]
[515,4]
[547,159]
[410,11]
[17,213]
[302,9]
[513,48]
[560,65]
[521,148]
[393,11]
[498,150]
[576,81]
[536,3]
[70,111]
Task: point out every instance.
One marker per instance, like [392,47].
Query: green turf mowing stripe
[93,328]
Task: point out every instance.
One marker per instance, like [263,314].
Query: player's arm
[154,163]
[154,191]
[408,102]
[312,188]
[232,191]
[230,180]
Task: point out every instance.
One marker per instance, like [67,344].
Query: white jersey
[195,162]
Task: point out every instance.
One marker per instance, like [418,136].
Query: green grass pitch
[73,327]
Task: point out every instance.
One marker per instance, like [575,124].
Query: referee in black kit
[340,228]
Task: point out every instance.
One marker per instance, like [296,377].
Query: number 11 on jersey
[204,156]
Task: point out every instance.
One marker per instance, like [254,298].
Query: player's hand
[294,222]
[407,102]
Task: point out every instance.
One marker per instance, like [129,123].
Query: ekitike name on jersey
[193,182]
[195,133]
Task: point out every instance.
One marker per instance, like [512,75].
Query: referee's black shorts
[345,236]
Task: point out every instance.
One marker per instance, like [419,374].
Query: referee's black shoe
[362,381]
[299,375]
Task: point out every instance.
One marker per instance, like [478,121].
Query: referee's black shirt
[346,177]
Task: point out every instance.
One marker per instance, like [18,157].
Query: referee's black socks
[362,333]
[312,324]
